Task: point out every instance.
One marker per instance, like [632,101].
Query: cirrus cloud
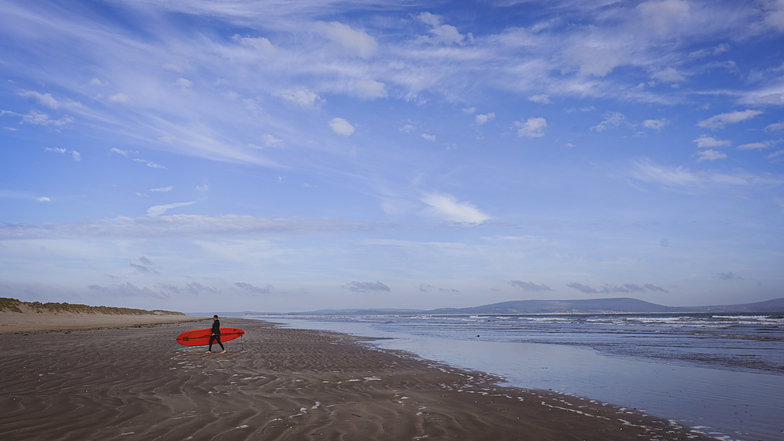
[448,207]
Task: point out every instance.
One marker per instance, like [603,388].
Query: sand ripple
[276,384]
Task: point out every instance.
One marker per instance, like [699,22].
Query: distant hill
[586,306]
[768,306]
[559,306]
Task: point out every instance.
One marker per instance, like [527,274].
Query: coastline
[727,404]
[277,383]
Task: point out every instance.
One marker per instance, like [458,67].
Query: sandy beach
[13,322]
[137,383]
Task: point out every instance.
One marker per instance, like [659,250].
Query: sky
[285,156]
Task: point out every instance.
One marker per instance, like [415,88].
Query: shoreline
[278,383]
[743,408]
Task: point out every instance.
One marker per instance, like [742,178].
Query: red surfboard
[201,337]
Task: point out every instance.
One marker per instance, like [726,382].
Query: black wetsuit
[215,334]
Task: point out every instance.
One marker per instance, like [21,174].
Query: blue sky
[286,156]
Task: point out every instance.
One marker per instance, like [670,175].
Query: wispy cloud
[366,286]
[530,286]
[611,120]
[177,225]
[449,208]
[758,145]
[353,42]
[682,177]
[158,210]
[254,289]
[705,141]
[721,120]
[48,100]
[709,155]
[656,124]
[775,127]
[627,288]
[150,163]
[301,97]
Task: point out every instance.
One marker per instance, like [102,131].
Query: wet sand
[276,384]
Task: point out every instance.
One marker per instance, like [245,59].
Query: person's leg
[221,344]
[212,338]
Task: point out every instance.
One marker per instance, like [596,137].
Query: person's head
[215,317]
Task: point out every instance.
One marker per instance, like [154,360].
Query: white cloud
[532,127]
[594,60]
[45,99]
[49,101]
[775,127]
[721,120]
[369,89]
[301,97]
[43,199]
[669,75]
[259,44]
[119,152]
[702,53]
[357,43]
[611,120]
[664,15]
[204,187]
[158,210]
[184,83]
[775,17]
[341,126]
[407,128]
[541,99]
[74,154]
[271,141]
[41,119]
[710,155]
[163,189]
[429,137]
[705,141]
[447,207]
[655,124]
[441,33]
[150,164]
[119,98]
[482,119]
[757,145]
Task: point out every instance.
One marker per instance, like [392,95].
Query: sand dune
[275,384]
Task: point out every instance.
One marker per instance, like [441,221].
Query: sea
[720,374]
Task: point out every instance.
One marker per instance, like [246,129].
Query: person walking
[215,336]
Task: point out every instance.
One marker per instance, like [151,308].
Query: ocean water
[721,374]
